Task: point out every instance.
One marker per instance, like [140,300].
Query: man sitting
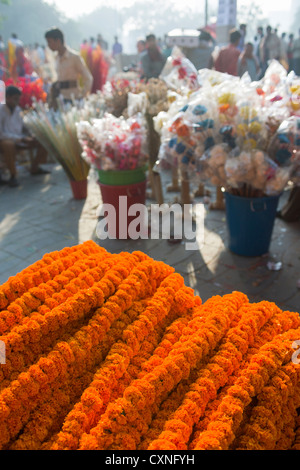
[13,137]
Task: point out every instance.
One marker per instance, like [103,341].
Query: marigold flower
[113,351]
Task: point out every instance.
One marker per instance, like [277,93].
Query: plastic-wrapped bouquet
[253,173]
[246,173]
[113,143]
[284,148]
[190,132]
[211,166]
[251,131]
[180,74]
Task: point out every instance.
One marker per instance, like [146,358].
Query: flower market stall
[207,127]
[231,133]
[117,149]
[32,88]
[113,352]
[56,131]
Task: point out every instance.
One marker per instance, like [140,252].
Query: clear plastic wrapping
[113,143]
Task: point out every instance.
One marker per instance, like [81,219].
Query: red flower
[182,73]
[31,90]
[176,62]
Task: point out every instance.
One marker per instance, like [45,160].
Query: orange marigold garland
[42,271]
[214,376]
[113,351]
[220,433]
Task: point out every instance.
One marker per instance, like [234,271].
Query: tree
[252,16]
[4,2]
[31,18]
[139,19]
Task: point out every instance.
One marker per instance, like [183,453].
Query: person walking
[117,47]
[270,49]
[201,56]
[247,62]
[243,31]
[74,80]
[152,60]
[227,59]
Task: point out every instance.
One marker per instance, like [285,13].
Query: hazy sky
[73,8]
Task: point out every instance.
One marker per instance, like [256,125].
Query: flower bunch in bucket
[114,143]
[115,94]
[56,130]
[246,163]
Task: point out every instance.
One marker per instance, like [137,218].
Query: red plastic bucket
[79,188]
[134,194]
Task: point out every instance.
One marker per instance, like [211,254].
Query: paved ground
[41,216]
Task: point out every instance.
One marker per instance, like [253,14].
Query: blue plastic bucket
[250,223]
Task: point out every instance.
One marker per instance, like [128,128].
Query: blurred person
[2,45]
[296,55]
[258,38]
[270,49]
[23,64]
[99,68]
[153,60]
[12,45]
[141,46]
[201,56]
[243,31]
[84,50]
[284,52]
[247,62]
[48,72]
[117,48]
[102,42]
[141,49]
[3,62]
[89,59]
[284,43]
[14,137]
[227,59]
[74,80]
[290,54]
[167,48]
[290,212]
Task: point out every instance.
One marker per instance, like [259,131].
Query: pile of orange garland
[113,352]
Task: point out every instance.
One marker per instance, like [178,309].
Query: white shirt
[71,67]
[11,124]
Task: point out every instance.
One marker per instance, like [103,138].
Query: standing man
[71,69]
[153,60]
[227,60]
[201,56]
[117,47]
[270,49]
[290,54]
[243,31]
[141,49]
